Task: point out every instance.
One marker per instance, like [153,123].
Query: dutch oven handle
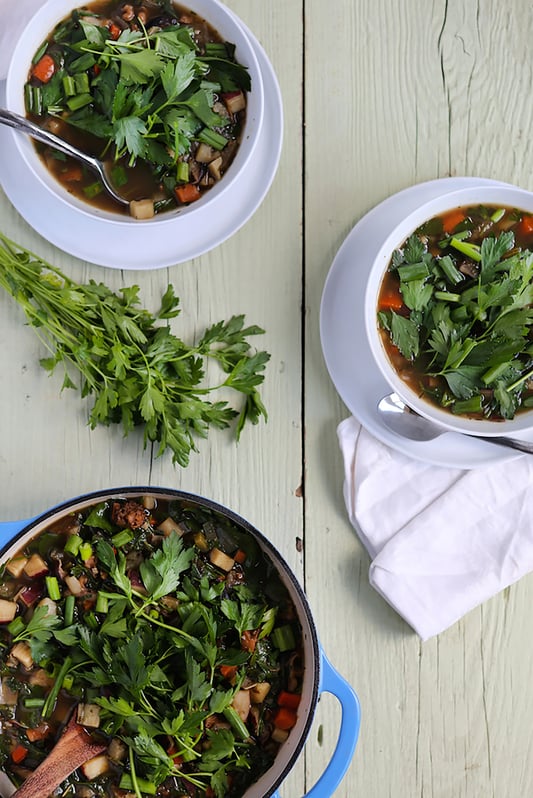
[8,529]
[332,682]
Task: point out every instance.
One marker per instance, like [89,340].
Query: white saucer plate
[351,366]
[130,246]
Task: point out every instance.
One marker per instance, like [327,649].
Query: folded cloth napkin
[441,540]
[14,18]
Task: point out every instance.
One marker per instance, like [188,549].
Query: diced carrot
[285,718]
[72,174]
[19,754]
[526,225]
[291,700]
[228,671]
[39,733]
[452,219]
[114,30]
[249,640]
[187,193]
[44,68]
[391,299]
[240,556]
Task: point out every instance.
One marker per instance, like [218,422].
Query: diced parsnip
[214,168]
[8,697]
[241,703]
[279,735]
[35,566]
[200,541]
[95,767]
[149,502]
[169,525]
[117,750]
[16,566]
[74,585]
[40,678]
[221,560]
[205,153]
[258,692]
[235,101]
[89,715]
[142,209]
[50,604]
[22,653]
[8,610]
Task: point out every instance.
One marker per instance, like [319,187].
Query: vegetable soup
[167,631]
[149,87]
[455,311]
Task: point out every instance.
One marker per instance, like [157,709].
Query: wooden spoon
[74,747]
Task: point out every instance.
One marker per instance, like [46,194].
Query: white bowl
[222,20]
[501,196]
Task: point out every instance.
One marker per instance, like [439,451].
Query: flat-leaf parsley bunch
[138,371]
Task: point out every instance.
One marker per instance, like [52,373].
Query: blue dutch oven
[319,677]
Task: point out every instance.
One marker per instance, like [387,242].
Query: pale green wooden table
[377,96]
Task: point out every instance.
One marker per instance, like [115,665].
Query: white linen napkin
[441,540]
[15,15]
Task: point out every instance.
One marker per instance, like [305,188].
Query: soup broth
[149,87]
[455,311]
[168,631]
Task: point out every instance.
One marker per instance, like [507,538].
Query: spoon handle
[26,126]
[513,443]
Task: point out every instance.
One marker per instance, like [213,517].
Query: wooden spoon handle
[73,748]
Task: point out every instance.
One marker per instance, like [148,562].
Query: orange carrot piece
[290,700]
[249,640]
[526,225]
[19,754]
[72,174]
[187,193]
[240,556]
[44,68]
[452,219]
[285,718]
[114,31]
[38,733]
[391,299]
[228,671]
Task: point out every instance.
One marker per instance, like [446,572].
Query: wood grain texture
[411,91]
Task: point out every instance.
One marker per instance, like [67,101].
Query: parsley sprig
[474,332]
[138,371]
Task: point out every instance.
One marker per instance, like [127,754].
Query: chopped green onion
[492,374]
[73,544]
[412,271]
[236,722]
[82,83]
[16,626]
[122,537]
[126,783]
[37,100]
[32,703]
[283,638]
[182,172]
[450,271]
[28,98]
[93,190]
[498,215]
[216,49]
[211,137]
[102,603]
[470,250]
[83,63]
[51,698]
[472,405]
[52,587]
[79,101]
[86,551]
[69,86]
[40,52]
[447,296]
[91,621]
[68,610]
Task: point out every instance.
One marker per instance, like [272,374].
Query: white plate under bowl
[138,246]
[350,363]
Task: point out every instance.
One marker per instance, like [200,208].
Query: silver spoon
[403,421]
[25,126]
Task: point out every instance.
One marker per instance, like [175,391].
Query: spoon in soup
[26,126]
[398,417]
[73,749]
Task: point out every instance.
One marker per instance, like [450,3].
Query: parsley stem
[472,251]
[520,380]
[134,781]
[51,698]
